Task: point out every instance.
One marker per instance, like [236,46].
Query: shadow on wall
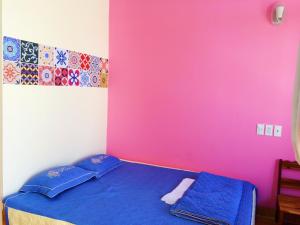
[295,129]
[275,182]
[296,111]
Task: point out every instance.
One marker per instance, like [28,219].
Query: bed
[128,195]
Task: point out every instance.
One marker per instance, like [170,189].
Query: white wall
[50,126]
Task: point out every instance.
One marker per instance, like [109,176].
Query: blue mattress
[128,195]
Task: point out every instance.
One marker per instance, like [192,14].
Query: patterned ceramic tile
[95,79]
[104,80]
[85,61]
[95,64]
[61,57]
[11,49]
[85,78]
[61,76]
[74,60]
[11,72]
[74,77]
[33,64]
[46,75]
[104,65]
[29,52]
[46,55]
[29,74]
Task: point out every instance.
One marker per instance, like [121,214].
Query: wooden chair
[287,204]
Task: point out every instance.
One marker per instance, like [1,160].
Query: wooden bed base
[3,216]
[25,218]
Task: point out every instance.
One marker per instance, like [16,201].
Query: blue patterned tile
[46,55]
[11,49]
[61,58]
[85,78]
[29,52]
[95,64]
[94,79]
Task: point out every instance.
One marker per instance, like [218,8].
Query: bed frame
[3,216]
[253,213]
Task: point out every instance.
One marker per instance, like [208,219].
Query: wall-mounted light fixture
[278,14]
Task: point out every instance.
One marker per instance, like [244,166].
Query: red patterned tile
[46,75]
[74,77]
[11,72]
[104,65]
[74,60]
[85,61]
[61,77]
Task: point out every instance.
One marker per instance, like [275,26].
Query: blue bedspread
[129,195]
[216,200]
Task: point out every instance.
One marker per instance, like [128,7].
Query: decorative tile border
[29,63]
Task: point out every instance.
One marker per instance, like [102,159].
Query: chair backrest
[287,182]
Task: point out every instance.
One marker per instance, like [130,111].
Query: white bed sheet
[253,207]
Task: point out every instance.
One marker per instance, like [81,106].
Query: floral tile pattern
[11,49]
[46,55]
[61,57]
[85,78]
[95,79]
[104,65]
[103,80]
[85,61]
[95,64]
[29,74]
[73,78]
[29,52]
[74,60]
[11,72]
[29,63]
[46,75]
[61,77]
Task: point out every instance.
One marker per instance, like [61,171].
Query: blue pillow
[101,164]
[56,180]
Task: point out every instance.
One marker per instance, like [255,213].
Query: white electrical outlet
[269,130]
[260,129]
[277,131]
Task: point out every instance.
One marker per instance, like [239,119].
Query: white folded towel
[172,197]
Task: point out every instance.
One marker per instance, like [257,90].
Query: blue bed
[128,195]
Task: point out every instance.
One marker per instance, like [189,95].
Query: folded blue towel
[215,200]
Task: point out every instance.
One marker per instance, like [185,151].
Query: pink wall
[191,79]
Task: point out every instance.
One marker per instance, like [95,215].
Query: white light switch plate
[269,130]
[277,131]
[260,129]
